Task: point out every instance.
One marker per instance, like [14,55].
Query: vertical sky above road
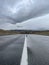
[17,11]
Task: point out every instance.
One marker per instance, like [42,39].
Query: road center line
[24,54]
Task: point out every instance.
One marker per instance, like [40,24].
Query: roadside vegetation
[10,32]
[7,32]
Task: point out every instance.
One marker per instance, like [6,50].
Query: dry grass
[9,32]
[42,32]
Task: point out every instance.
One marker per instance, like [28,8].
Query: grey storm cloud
[21,10]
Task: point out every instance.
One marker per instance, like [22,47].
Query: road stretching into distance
[38,50]
[11,49]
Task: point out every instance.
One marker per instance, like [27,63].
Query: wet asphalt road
[11,47]
[38,50]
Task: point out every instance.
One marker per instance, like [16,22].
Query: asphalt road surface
[38,50]
[11,47]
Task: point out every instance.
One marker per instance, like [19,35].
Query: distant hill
[9,32]
[6,32]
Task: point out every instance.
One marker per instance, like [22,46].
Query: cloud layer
[39,23]
[21,10]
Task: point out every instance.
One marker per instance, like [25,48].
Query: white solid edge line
[24,59]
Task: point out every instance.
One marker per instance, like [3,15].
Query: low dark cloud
[21,10]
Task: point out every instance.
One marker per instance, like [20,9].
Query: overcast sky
[17,11]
